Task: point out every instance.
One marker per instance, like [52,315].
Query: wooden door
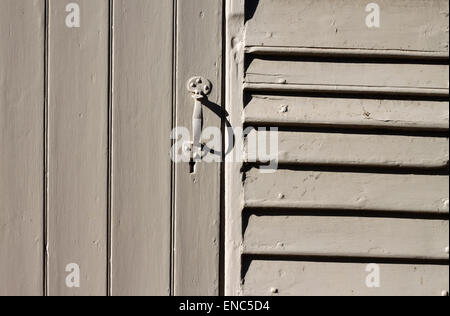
[90,93]
[358,92]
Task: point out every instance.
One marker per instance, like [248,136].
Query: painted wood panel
[234,76]
[21,146]
[413,25]
[330,73]
[315,64]
[141,165]
[296,148]
[347,190]
[347,112]
[198,191]
[77,147]
[350,236]
[343,279]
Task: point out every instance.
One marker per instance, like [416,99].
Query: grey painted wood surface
[349,74]
[347,112]
[141,169]
[106,134]
[350,236]
[357,106]
[297,148]
[198,194]
[343,279]
[234,71]
[77,148]
[415,25]
[161,236]
[21,146]
[362,90]
[347,190]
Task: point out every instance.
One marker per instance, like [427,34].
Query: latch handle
[200,88]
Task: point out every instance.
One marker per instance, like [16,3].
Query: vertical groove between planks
[173,171]
[45,152]
[222,165]
[110,137]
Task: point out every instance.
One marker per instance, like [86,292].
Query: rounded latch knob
[199,87]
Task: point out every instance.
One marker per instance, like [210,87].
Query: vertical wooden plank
[235,14]
[197,195]
[21,146]
[77,153]
[142,121]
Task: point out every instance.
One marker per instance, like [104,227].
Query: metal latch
[200,88]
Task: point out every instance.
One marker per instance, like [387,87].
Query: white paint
[264,147]
[214,135]
[373,19]
[73,278]
[73,18]
[373,278]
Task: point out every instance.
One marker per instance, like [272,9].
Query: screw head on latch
[199,87]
